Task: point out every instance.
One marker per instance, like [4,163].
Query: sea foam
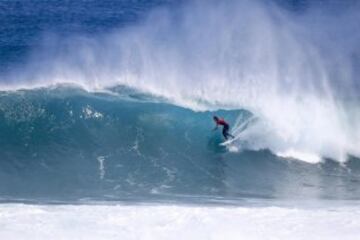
[20,221]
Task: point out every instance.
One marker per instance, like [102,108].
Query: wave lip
[304,156]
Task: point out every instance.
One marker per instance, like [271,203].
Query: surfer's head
[216,118]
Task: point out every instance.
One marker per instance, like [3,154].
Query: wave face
[68,144]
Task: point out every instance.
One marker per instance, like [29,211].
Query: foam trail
[283,66]
[171,222]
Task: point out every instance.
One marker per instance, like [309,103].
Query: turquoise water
[66,144]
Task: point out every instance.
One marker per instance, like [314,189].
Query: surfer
[226,127]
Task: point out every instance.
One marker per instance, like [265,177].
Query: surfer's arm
[216,127]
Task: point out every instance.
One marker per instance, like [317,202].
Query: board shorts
[225,130]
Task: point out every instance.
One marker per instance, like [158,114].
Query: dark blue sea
[106,107]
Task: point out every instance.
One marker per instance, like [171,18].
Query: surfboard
[228,142]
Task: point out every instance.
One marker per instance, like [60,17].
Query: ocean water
[106,119]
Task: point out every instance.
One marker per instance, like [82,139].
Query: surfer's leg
[230,135]
[225,133]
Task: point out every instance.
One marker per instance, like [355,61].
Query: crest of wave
[295,70]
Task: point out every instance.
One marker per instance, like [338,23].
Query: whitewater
[177,222]
[106,116]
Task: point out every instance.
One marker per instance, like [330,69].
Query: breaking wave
[66,143]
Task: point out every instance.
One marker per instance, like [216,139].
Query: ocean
[106,119]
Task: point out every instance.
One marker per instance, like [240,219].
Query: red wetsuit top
[222,122]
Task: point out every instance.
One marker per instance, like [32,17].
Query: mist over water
[295,70]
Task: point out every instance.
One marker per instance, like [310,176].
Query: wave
[67,143]
[284,67]
[138,121]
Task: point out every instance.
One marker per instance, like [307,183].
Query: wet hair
[216,118]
